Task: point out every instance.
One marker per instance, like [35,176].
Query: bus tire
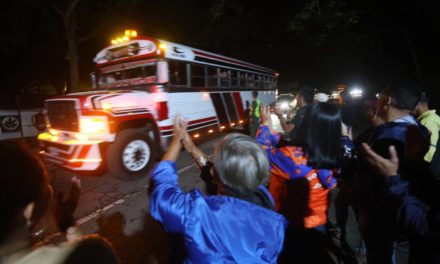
[132,155]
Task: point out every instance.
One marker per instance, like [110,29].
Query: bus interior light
[211,131]
[196,135]
[241,121]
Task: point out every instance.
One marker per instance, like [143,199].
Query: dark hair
[255,93]
[405,95]
[424,98]
[307,93]
[347,113]
[23,180]
[320,134]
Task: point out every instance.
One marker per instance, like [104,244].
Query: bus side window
[258,81]
[177,71]
[265,82]
[251,83]
[241,79]
[197,76]
[212,77]
[234,79]
[224,78]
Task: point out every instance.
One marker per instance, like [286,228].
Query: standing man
[303,100]
[431,121]
[380,218]
[255,113]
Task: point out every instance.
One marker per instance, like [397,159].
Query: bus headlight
[284,106]
[93,125]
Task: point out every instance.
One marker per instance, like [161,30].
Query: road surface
[118,210]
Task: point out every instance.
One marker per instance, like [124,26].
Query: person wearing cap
[431,121]
[380,217]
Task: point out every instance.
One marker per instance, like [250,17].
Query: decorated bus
[139,86]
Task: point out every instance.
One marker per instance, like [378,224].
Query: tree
[81,20]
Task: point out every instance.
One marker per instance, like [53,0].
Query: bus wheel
[131,156]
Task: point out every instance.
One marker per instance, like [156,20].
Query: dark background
[320,43]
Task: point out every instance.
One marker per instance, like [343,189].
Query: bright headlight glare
[93,125]
[284,105]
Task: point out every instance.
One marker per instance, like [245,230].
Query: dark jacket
[381,218]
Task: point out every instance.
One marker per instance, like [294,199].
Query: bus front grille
[62,115]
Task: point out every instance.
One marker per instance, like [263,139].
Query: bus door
[230,108]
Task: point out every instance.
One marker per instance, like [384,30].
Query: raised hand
[180,126]
[266,116]
[63,209]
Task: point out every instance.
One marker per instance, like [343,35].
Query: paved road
[118,210]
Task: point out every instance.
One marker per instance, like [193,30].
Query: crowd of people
[385,175]
[267,195]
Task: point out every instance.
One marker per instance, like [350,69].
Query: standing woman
[301,177]
[233,225]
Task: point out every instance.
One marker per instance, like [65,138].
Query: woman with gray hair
[235,223]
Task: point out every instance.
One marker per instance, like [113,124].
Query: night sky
[316,43]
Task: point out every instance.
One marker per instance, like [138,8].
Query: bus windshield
[114,77]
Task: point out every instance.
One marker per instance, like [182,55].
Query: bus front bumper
[77,155]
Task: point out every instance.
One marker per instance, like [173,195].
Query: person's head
[255,94]
[422,106]
[25,191]
[398,97]
[240,163]
[305,96]
[320,134]
[371,113]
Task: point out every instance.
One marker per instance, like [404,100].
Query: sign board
[9,124]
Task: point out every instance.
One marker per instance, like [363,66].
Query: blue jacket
[216,229]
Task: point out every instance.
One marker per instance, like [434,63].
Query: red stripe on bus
[239,105]
[194,122]
[82,155]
